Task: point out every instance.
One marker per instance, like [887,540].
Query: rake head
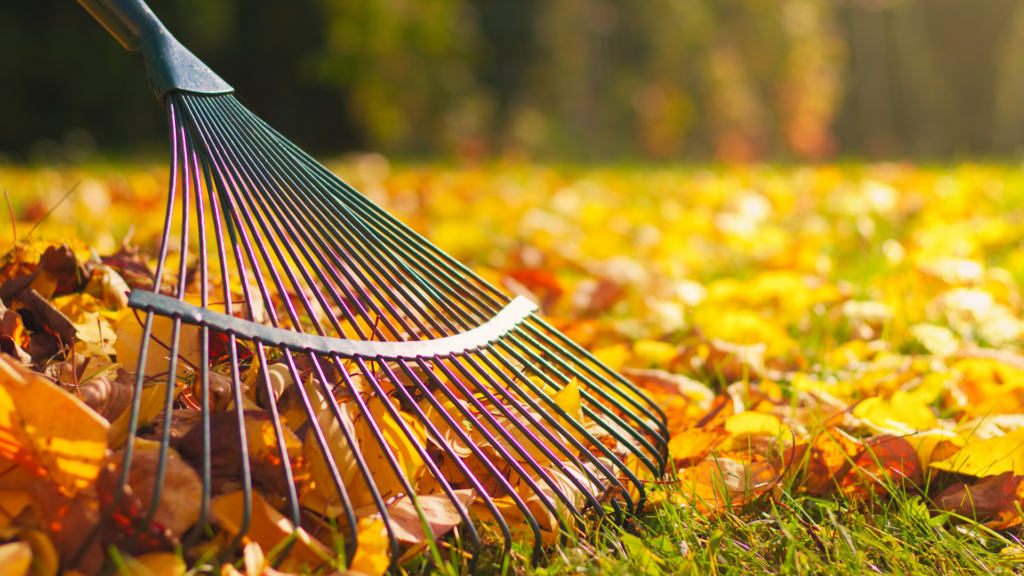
[323,359]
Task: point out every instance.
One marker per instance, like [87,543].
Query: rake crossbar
[507,319]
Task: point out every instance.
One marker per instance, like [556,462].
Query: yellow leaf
[14,484]
[269,528]
[384,476]
[371,557]
[743,327]
[654,352]
[988,457]
[154,564]
[692,445]
[50,430]
[902,411]
[614,357]
[568,399]
[128,344]
[153,401]
[15,559]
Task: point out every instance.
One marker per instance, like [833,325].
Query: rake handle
[130,21]
[171,66]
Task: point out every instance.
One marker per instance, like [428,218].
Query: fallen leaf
[269,529]
[884,459]
[181,495]
[15,558]
[988,457]
[902,411]
[439,511]
[691,446]
[48,430]
[371,557]
[717,483]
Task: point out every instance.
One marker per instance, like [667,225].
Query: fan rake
[407,377]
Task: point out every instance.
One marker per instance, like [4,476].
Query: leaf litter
[835,364]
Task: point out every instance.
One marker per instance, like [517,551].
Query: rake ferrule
[171,66]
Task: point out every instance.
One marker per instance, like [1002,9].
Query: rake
[316,304]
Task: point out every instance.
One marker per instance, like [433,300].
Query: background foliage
[733,80]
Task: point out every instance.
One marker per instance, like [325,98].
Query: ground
[837,348]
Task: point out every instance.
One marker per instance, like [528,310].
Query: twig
[14,222]
[47,215]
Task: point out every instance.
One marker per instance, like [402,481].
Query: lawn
[837,348]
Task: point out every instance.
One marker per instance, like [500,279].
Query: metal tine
[219,209]
[147,330]
[364,245]
[257,168]
[269,153]
[516,401]
[373,213]
[262,357]
[172,374]
[410,490]
[194,163]
[587,409]
[217,217]
[544,331]
[531,520]
[353,200]
[495,426]
[278,431]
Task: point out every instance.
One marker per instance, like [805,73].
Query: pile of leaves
[849,335]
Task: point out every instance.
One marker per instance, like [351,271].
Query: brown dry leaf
[885,459]
[181,497]
[386,478]
[69,521]
[265,454]
[994,499]
[439,511]
[828,458]
[718,483]
[691,446]
[269,528]
[47,430]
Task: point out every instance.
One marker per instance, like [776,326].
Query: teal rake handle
[171,66]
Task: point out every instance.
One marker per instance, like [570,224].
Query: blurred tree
[408,69]
[736,78]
